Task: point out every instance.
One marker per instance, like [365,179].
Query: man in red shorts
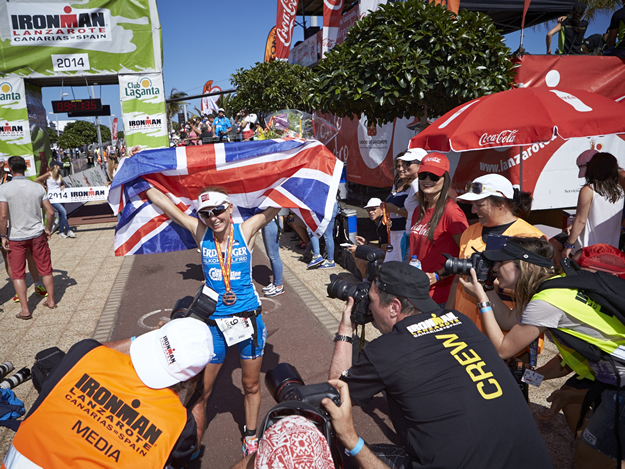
[21,201]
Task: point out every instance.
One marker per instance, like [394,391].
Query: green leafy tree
[175,107]
[412,59]
[52,133]
[270,86]
[79,133]
[120,134]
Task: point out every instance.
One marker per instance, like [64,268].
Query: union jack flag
[302,175]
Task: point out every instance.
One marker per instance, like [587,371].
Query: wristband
[354,451]
[132,339]
[342,338]
[3,236]
[568,246]
[437,277]
[485,310]
[486,304]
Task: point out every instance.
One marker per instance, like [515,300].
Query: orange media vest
[100,414]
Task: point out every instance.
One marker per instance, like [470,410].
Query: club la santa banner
[14,127]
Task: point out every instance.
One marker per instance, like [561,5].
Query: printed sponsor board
[55,38]
[93,177]
[14,128]
[285,20]
[143,107]
[78,194]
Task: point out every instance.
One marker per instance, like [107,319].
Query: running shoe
[250,445]
[71,234]
[302,245]
[16,299]
[316,262]
[295,240]
[269,287]
[41,291]
[327,265]
[275,292]
[62,235]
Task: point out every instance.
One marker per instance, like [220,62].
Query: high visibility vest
[472,238]
[100,414]
[588,312]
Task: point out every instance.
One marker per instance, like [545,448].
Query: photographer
[528,262]
[221,126]
[374,210]
[135,416]
[452,400]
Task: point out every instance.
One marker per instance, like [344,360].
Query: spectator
[194,132]
[210,119]
[497,205]
[67,166]
[221,126]
[5,172]
[58,433]
[406,167]
[53,181]
[616,29]
[528,262]
[599,205]
[206,136]
[442,378]
[374,210]
[328,235]
[439,224]
[571,31]
[247,121]
[271,239]
[299,227]
[21,202]
[594,44]
[412,201]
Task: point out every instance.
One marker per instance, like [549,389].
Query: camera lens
[282,381]
[341,289]
[454,265]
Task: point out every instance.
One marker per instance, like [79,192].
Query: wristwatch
[342,338]
[486,304]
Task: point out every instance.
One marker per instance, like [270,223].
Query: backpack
[46,362]
[601,287]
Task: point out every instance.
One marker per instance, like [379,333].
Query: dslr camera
[295,398]
[343,289]
[200,307]
[477,261]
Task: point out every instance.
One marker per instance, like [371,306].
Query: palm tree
[224,102]
[173,108]
[601,7]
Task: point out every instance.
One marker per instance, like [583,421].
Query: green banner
[14,129]
[143,108]
[89,37]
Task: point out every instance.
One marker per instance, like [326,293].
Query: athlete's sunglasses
[478,188]
[213,211]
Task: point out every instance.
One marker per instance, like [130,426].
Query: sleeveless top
[53,185]
[603,224]
[240,274]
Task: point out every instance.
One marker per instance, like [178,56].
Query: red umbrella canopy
[522,116]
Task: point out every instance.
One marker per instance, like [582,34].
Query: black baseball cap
[401,279]
[55,163]
[511,251]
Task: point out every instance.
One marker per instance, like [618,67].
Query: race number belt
[229,298]
[386,220]
[246,314]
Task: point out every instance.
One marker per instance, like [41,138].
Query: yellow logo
[146,83]
[6,87]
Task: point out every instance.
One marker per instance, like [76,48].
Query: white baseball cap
[373,202]
[220,110]
[486,186]
[211,199]
[176,352]
[413,154]
[252,118]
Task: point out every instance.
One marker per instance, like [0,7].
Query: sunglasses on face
[478,188]
[433,177]
[213,211]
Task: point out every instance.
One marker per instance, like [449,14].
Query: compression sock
[248,433]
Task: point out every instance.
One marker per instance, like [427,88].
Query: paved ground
[105,297]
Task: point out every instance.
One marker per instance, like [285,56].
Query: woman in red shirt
[438,223]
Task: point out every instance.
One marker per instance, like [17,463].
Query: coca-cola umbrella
[522,116]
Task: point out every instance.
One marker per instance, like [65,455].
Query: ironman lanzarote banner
[143,109]
[100,37]
[14,128]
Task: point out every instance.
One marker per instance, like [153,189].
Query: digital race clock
[76,105]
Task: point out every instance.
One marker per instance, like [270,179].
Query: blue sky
[210,40]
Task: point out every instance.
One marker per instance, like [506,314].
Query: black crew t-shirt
[452,400]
